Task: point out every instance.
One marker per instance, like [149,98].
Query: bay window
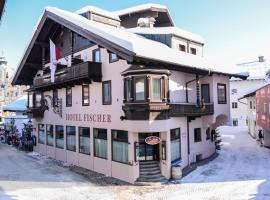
[41,133]
[59,137]
[128,87]
[49,133]
[139,89]
[84,140]
[175,144]
[71,138]
[100,143]
[120,146]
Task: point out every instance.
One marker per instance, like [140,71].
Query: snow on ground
[241,171]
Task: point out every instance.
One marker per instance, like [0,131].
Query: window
[55,97]
[175,144]
[264,108]
[182,47]
[59,136]
[235,122]
[100,143]
[205,93]
[139,89]
[208,133]
[128,89]
[120,146]
[71,138]
[96,55]
[156,88]
[197,135]
[69,96]
[49,132]
[106,93]
[30,100]
[85,95]
[234,104]
[221,91]
[113,57]
[234,91]
[193,51]
[41,134]
[38,100]
[250,104]
[84,140]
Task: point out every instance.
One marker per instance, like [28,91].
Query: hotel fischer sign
[152,140]
[106,118]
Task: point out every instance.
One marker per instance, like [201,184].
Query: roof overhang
[2,8]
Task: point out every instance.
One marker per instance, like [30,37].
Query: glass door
[146,151]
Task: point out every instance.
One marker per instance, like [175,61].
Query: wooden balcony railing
[190,109]
[84,72]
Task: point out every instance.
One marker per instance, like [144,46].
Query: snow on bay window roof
[98,11]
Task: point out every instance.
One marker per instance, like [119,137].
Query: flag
[54,56]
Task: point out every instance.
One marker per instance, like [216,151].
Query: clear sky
[234,30]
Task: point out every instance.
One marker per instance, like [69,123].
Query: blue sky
[234,31]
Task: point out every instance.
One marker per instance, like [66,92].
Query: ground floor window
[100,143]
[235,122]
[71,138]
[175,144]
[49,132]
[120,146]
[41,134]
[59,136]
[197,135]
[84,140]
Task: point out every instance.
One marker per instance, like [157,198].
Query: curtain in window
[156,89]
[71,138]
[139,86]
[120,151]
[59,141]
[175,149]
[85,140]
[100,148]
[41,134]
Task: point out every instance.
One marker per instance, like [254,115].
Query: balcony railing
[190,109]
[77,74]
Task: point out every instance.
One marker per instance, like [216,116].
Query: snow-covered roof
[139,8]
[98,11]
[17,105]
[168,30]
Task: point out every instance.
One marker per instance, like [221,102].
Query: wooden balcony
[36,112]
[190,109]
[84,72]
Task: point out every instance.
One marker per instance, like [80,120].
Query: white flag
[54,56]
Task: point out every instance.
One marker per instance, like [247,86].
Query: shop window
[96,55]
[84,140]
[68,96]
[71,138]
[197,135]
[85,95]
[100,143]
[49,133]
[175,144]
[221,92]
[156,88]
[106,93]
[113,57]
[208,133]
[139,89]
[59,137]
[120,146]
[41,134]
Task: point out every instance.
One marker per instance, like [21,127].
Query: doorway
[146,151]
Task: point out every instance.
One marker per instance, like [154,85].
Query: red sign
[152,140]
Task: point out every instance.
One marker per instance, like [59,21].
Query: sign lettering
[106,118]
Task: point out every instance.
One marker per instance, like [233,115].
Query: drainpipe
[188,143]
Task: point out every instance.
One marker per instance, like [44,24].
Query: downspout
[188,143]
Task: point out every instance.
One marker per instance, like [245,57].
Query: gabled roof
[168,30]
[129,46]
[98,11]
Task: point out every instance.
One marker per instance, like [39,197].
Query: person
[260,135]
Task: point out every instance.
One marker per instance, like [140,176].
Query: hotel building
[123,77]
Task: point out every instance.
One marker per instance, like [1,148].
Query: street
[241,171]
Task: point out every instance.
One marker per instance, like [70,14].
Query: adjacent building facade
[132,92]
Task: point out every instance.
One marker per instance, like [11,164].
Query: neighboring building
[256,70]
[118,90]
[263,112]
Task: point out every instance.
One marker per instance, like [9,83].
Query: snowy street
[241,171]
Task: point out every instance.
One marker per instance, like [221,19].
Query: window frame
[118,140]
[111,60]
[79,135]
[161,88]
[103,94]
[56,137]
[225,88]
[67,88]
[94,57]
[83,97]
[196,140]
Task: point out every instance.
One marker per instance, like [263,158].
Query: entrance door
[147,151]
[205,93]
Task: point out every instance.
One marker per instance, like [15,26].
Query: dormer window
[182,47]
[193,51]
